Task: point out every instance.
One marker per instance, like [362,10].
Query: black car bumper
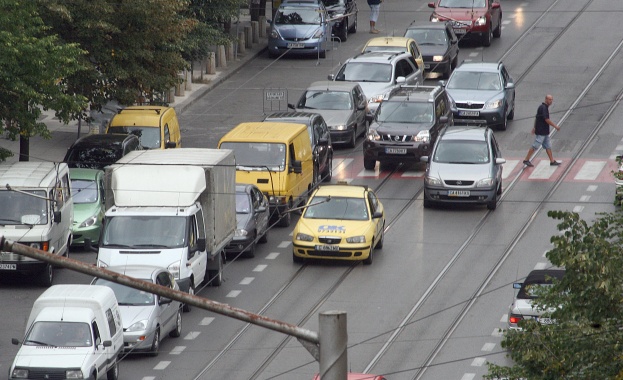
[391,152]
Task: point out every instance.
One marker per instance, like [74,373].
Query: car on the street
[99,150]
[343,106]
[378,73]
[406,125]
[300,27]
[321,141]
[339,222]
[344,16]
[465,166]
[484,93]
[147,318]
[439,46]
[480,20]
[396,45]
[523,305]
[87,186]
[252,220]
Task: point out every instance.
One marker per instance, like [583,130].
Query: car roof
[299,117]
[378,56]
[103,139]
[539,276]
[84,173]
[397,41]
[479,66]
[331,85]
[415,93]
[353,191]
[465,133]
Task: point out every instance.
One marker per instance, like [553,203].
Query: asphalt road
[432,303]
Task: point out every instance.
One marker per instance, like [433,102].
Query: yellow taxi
[396,44]
[339,222]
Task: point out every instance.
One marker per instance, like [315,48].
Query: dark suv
[99,150]
[407,124]
[319,136]
[344,14]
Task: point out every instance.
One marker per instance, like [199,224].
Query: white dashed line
[478,362]
[590,170]
[206,321]
[506,22]
[260,268]
[488,347]
[543,170]
[412,174]
[540,266]
[585,198]
[284,244]
[468,376]
[474,54]
[504,318]
[497,332]
[162,365]
[192,335]
[247,280]
[545,253]
[591,188]
[233,294]
[578,209]
[177,350]
[272,255]
[148,378]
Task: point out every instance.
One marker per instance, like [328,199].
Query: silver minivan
[146,317]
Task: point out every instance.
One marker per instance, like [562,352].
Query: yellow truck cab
[156,126]
[277,158]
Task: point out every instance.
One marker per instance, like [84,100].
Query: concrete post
[262,23]
[220,56]
[255,26]
[230,51]
[333,340]
[179,87]
[188,80]
[248,36]
[171,95]
[241,43]
[211,63]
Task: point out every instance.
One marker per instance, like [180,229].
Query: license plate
[458,193]
[295,45]
[427,66]
[327,248]
[545,321]
[8,266]
[396,150]
[460,30]
[469,113]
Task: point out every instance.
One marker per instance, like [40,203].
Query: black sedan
[252,218]
[344,16]
[439,45]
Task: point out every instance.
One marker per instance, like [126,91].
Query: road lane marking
[543,170]
[192,335]
[497,332]
[162,365]
[578,209]
[540,266]
[177,350]
[468,376]
[585,198]
[508,167]
[272,256]
[206,321]
[591,188]
[478,362]
[284,244]
[247,280]
[260,268]
[233,294]
[504,318]
[488,347]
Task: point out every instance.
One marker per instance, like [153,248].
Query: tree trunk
[24,148]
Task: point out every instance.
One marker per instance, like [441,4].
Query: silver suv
[378,73]
[465,166]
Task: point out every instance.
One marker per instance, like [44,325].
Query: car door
[196,259]
[260,210]
[360,105]
[417,55]
[375,206]
[453,41]
[495,150]
[167,312]
[406,68]
[320,150]
[509,92]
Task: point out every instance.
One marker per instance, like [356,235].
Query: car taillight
[514,319]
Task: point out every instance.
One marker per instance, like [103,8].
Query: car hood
[334,227]
[242,220]
[52,357]
[296,31]
[400,128]
[461,14]
[83,211]
[430,50]
[371,89]
[477,96]
[333,117]
[133,314]
[458,172]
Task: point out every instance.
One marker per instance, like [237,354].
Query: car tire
[285,220]
[502,127]
[370,258]
[369,163]
[511,115]
[264,238]
[46,276]
[155,344]
[455,62]
[323,54]
[191,291]
[343,35]
[113,372]
[328,172]
[353,28]
[250,251]
[296,259]
[500,189]
[427,202]
[353,139]
[486,38]
[271,54]
[216,276]
[497,32]
[493,203]
[177,331]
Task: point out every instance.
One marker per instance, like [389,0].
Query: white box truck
[173,208]
[36,209]
[73,332]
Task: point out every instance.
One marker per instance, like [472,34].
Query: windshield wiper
[151,245]
[116,246]
[15,222]
[39,343]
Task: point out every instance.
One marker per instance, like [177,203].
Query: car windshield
[23,209]
[93,157]
[137,231]
[474,80]
[127,296]
[243,206]
[327,100]
[59,334]
[405,112]
[461,152]
[428,36]
[148,136]
[463,3]
[337,208]
[258,156]
[297,16]
[365,72]
[85,191]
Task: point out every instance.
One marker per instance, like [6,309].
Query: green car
[88,190]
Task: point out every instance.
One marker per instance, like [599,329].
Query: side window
[201,227]
[112,327]
[495,148]
[317,131]
[292,152]
[414,50]
[96,334]
[373,202]
[66,187]
[58,195]
[192,236]
[167,134]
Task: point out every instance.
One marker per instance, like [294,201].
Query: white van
[73,332]
[38,211]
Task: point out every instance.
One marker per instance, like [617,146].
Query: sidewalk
[63,135]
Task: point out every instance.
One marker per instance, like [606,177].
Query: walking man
[375,7]
[541,132]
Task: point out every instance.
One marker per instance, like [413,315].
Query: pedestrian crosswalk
[583,170]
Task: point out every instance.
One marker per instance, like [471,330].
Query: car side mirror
[500,161]
[291,106]
[443,120]
[401,80]
[510,85]
[442,83]
[361,107]
[296,167]
[377,214]
[107,343]
[431,5]
[57,217]
[517,285]
[323,141]
[260,209]
[201,244]
[164,300]
[14,341]
[424,159]
[331,77]
[170,144]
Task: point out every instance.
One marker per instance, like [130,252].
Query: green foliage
[34,65]
[585,342]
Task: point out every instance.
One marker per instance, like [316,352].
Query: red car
[471,19]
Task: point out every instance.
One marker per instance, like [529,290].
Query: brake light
[514,319]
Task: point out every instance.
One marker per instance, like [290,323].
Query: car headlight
[376,98]
[432,181]
[373,135]
[88,221]
[319,33]
[241,232]
[487,182]
[341,127]
[74,374]
[274,34]
[356,239]
[43,246]
[20,373]
[304,237]
[434,18]
[493,104]
[422,136]
[138,326]
[482,20]
[437,58]
[175,269]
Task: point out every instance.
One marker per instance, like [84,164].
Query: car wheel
[486,38]
[511,115]
[353,139]
[447,72]
[296,259]
[343,36]
[250,251]
[369,163]
[216,276]
[175,333]
[323,54]
[455,62]
[272,54]
[264,238]
[497,32]
[191,291]
[353,28]
[427,202]
[155,344]
[500,189]
[502,127]
[285,220]
[113,372]
[369,259]
[493,203]
[328,172]
[46,276]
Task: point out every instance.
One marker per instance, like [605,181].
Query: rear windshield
[461,152]
[148,136]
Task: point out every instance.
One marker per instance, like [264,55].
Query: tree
[586,340]
[34,65]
